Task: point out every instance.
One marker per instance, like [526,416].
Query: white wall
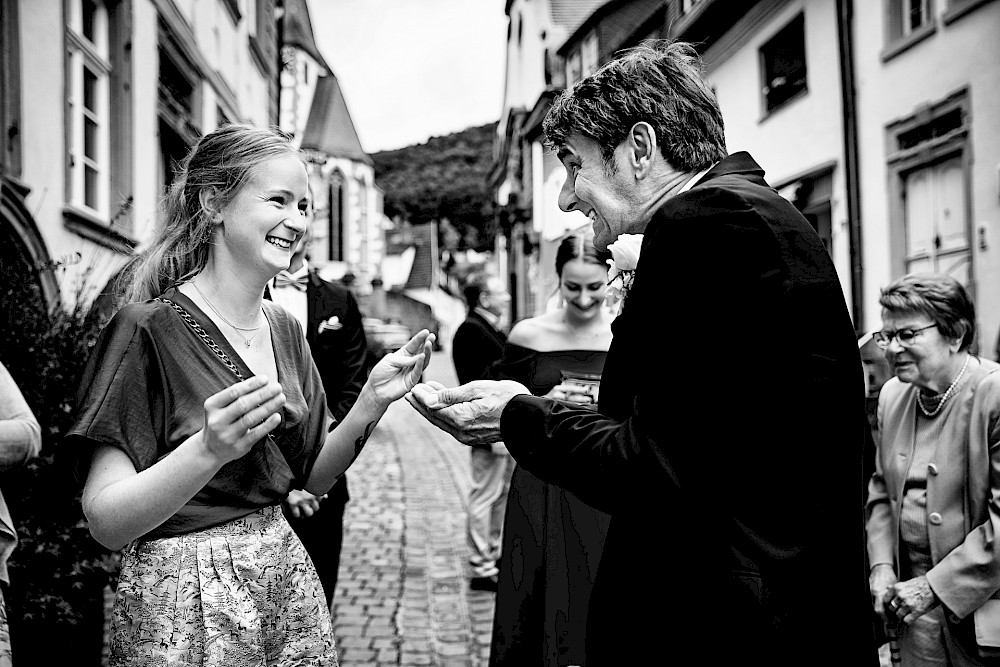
[965,53]
[224,49]
[803,134]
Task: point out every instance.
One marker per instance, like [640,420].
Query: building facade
[929,136]
[100,100]
[348,233]
[878,120]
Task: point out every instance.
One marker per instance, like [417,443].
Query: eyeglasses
[904,336]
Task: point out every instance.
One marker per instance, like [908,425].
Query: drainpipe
[845,22]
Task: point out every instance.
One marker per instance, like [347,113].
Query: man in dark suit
[729,444]
[478,342]
[332,322]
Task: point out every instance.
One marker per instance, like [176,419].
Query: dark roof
[297,30]
[422,269]
[570,14]
[330,129]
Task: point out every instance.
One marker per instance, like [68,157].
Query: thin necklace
[239,330]
[947,393]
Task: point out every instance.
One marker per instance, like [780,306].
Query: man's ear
[208,198]
[642,148]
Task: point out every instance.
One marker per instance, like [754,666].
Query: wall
[964,53]
[223,52]
[801,135]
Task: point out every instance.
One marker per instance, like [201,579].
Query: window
[337,216]
[937,235]
[907,17]
[88,106]
[574,68]
[263,41]
[688,5]
[929,205]
[178,105]
[10,84]
[589,55]
[783,65]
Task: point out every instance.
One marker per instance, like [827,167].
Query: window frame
[574,66]
[898,37]
[901,162]
[82,56]
[590,54]
[687,6]
[112,225]
[765,59]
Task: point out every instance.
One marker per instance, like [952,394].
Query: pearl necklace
[947,392]
[239,330]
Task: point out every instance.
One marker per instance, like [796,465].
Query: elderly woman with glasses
[934,499]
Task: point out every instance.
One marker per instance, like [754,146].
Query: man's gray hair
[660,83]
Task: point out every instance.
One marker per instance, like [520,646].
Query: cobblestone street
[403,596]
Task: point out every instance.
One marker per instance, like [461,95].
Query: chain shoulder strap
[200,331]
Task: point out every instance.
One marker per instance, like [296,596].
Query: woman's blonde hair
[220,164]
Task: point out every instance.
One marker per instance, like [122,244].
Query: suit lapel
[313,308]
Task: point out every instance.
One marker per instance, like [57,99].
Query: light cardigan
[20,440]
[963,488]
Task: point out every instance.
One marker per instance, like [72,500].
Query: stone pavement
[403,596]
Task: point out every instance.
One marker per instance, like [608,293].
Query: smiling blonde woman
[202,408]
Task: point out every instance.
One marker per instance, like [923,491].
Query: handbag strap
[200,331]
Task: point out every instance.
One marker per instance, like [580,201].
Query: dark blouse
[144,388]
[540,371]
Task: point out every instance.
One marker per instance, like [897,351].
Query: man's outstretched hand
[471,412]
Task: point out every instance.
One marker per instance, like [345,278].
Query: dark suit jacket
[730,449]
[475,346]
[339,353]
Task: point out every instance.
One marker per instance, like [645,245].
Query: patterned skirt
[240,594]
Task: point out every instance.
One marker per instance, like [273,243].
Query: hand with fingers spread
[912,598]
[396,373]
[239,416]
[471,412]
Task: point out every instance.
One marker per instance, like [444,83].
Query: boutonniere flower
[624,259]
[332,324]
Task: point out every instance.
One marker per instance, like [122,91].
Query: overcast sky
[414,69]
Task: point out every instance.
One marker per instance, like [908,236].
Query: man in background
[332,321]
[478,342]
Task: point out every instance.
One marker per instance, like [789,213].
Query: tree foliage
[444,178]
[58,572]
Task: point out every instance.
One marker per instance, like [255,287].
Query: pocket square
[332,324]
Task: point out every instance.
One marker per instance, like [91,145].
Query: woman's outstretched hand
[239,416]
[398,372]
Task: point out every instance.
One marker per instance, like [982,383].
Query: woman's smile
[585,308]
[279,242]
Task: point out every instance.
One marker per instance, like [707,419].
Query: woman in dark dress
[201,408]
[552,540]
